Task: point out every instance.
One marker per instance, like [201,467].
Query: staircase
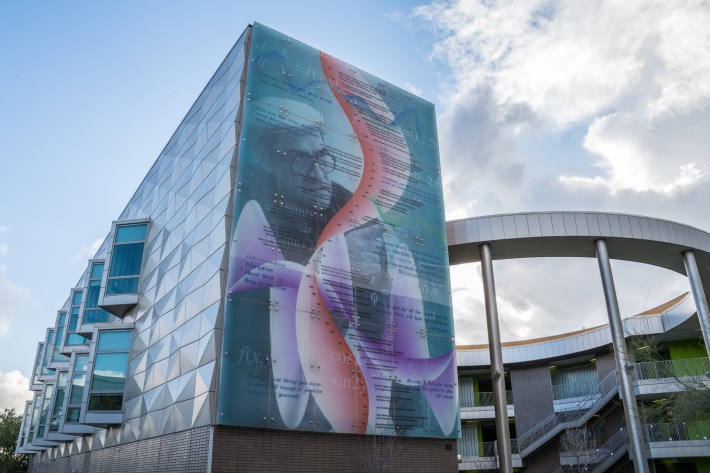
[602,457]
[557,422]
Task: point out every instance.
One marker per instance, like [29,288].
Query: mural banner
[338,314]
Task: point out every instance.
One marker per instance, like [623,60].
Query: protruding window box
[78,429]
[70,414]
[36,384]
[103,419]
[119,285]
[44,443]
[59,437]
[91,313]
[103,401]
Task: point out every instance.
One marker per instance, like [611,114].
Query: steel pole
[701,303]
[505,454]
[623,366]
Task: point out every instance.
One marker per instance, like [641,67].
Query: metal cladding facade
[282,265]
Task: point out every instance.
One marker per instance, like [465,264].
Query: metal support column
[623,366]
[701,302]
[505,454]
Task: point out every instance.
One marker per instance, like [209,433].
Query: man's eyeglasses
[302,164]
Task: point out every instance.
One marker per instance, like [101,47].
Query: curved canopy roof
[572,234]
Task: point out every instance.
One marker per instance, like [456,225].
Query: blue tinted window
[95,316]
[76,300]
[126,260]
[80,362]
[105,402]
[114,340]
[130,233]
[58,357]
[77,388]
[109,372]
[92,295]
[58,402]
[73,318]
[72,415]
[97,270]
[122,286]
[76,339]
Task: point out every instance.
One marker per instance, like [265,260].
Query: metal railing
[554,423]
[599,459]
[677,369]
[490,449]
[485,399]
[678,431]
[574,390]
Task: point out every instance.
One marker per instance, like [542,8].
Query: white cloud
[553,105]
[412,88]
[89,251]
[539,296]
[14,390]
[629,72]
[12,297]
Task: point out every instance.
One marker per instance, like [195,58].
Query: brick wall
[545,459]
[605,363]
[184,452]
[532,396]
[260,450]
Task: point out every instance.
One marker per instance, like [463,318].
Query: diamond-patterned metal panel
[186,196]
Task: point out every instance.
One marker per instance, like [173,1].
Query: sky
[541,105]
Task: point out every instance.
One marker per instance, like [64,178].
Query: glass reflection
[109,372]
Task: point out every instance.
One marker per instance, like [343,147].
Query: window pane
[45,411]
[76,339]
[130,233]
[122,286]
[92,296]
[73,318]
[77,388]
[109,372]
[95,316]
[105,402]
[97,271]
[72,415]
[126,260]
[59,358]
[58,402]
[77,298]
[114,340]
[80,362]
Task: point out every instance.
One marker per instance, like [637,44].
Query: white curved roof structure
[572,234]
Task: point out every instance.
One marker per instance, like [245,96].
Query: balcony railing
[664,369]
[485,399]
[574,390]
[490,449]
[679,431]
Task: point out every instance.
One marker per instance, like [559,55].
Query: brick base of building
[260,450]
[237,449]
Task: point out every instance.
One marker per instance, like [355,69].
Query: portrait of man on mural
[326,320]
